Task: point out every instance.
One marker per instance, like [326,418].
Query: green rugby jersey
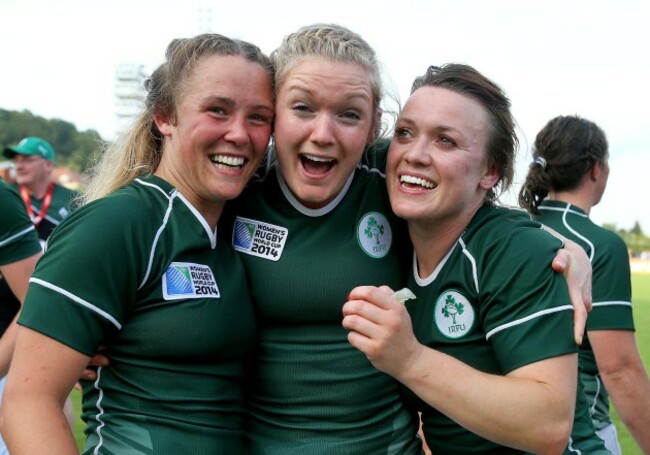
[611,290]
[60,207]
[141,272]
[18,241]
[495,304]
[311,391]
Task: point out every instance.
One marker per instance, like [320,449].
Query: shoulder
[10,199]
[133,208]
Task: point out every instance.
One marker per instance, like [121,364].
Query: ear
[595,172]
[490,179]
[164,124]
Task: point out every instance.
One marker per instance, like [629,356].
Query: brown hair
[503,143]
[563,152]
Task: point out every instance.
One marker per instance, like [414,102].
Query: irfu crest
[452,308]
[374,230]
[374,234]
[453,314]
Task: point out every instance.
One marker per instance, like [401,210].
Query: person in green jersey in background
[19,251]
[567,178]
[489,356]
[316,226]
[138,265]
[47,202]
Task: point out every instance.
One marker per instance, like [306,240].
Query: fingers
[579,314]
[98,360]
[378,296]
[88,375]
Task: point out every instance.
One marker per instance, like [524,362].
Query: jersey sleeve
[527,314]
[85,283]
[18,238]
[611,290]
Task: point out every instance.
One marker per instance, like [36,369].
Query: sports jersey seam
[313,213]
[211,235]
[472,260]
[592,408]
[571,449]
[156,238]
[98,417]
[78,300]
[431,278]
[54,221]
[526,319]
[576,233]
[142,182]
[371,169]
[612,302]
[16,236]
[560,209]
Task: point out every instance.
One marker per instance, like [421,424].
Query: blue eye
[401,132]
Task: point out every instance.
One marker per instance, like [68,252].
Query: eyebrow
[357,92]
[230,102]
[437,128]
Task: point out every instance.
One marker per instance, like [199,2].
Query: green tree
[75,149]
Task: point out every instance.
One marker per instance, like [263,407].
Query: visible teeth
[227,160]
[416,181]
[318,159]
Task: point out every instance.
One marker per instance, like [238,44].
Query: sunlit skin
[324,119]
[219,134]
[33,172]
[437,172]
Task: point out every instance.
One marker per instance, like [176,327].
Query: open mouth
[227,162]
[416,183]
[316,165]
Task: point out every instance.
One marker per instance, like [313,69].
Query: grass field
[641,299]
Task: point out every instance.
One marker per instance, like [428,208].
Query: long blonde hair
[138,150]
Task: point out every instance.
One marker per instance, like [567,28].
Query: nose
[238,131]
[323,129]
[419,152]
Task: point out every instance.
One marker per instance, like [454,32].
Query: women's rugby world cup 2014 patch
[185,280]
[259,239]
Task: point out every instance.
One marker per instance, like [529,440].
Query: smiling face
[219,133]
[324,119]
[437,171]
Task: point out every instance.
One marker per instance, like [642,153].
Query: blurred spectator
[47,202]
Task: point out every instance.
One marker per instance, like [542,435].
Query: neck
[433,240]
[209,210]
[576,197]
[37,189]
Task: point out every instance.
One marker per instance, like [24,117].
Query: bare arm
[625,379]
[42,374]
[530,408]
[17,276]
